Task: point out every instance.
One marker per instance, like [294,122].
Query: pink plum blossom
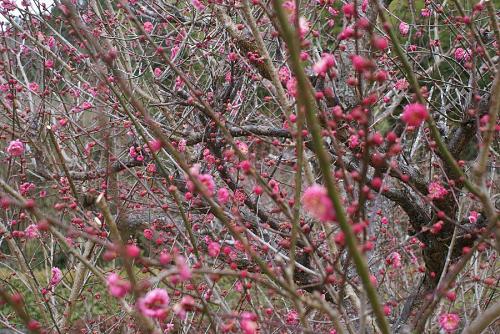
[473,215]
[198,5]
[401,84]
[317,203]
[31,232]
[437,191]
[34,87]
[304,26]
[15,148]
[117,286]
[155,145]
[394,259]
[449,322]
[462,54]
[223,195]
[26,188]
[248,323]
[206,179]
[49,63]
[186,304]
[324,64]
[181,147]
[426,12]
[292,317]
[86,105]
[56,276]
[154,304]
[183,268]
[157,72]
[414,114]
[148,234]
[213,249]
[348,9]
[404,28]
[148,27]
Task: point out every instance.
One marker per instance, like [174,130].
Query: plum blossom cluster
[181,150]
[437,191]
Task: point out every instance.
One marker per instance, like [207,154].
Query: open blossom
[117,286]
[404,28]
[248,323]
[360,63]
[223,195]
[31,232]
[291,86]
[198,5]
[26,188]
[436,191]
[86,105]
[473,215]
[183,268]
[33,86]
[245,166]
[181,146]
[243,147]
[49,63]
[206,179]
[239,196]
[232,56]
[462,54]
[238,286]
[132,152]
[292,317]
[284,74]
[304,26]
[15,148]
[186,304]
[56,276]
[154,304]
[148,27]
[414,114]
[426,12]
[449,322]
[289,7]
[213,249]
[401,84]
[157,72]
[326,62]
[151,168]
[148,234]
[208,182]
[51,42]
[353,141]
[317,203]
[394,259]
